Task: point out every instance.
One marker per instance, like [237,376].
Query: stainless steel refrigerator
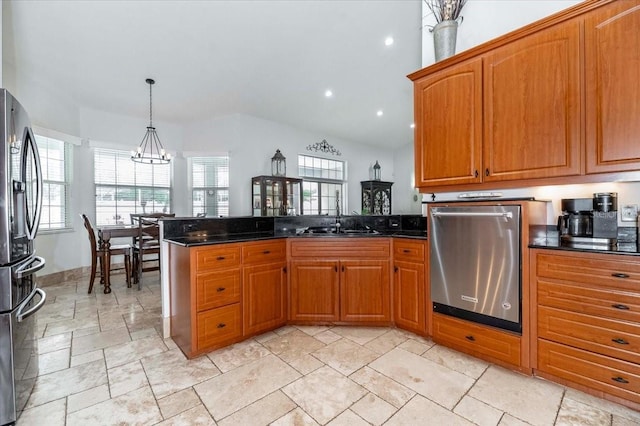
[20,207]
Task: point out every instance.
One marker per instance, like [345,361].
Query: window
[124,187]
[322,188]
[209,186]
[56,162]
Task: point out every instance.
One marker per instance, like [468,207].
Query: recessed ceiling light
[328,93]
[413,125]
[379,113]
[388,41]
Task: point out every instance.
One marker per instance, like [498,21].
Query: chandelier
[150,150]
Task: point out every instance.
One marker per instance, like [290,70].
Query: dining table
[105,233]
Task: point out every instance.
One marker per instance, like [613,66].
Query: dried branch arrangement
[445,10]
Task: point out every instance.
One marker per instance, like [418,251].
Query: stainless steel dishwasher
[475,263]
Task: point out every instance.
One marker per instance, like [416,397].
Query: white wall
[487,19]
[406,199]
[251,142]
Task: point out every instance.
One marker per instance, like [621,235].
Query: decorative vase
[444,39]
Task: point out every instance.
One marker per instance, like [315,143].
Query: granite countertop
[202,240]
[625,248]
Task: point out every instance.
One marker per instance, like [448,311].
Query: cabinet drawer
[408,251]
[601,301]
[599,372]
[218,326]
[615,271]
[341,247]
[217,288]
[264,252]
[476,339]
[609,337]
[222,256]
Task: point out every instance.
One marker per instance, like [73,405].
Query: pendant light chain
[150,102]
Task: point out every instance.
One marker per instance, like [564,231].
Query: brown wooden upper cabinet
[522,106]
[612,68]
[448,137]
[532,106]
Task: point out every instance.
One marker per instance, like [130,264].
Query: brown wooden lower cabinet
[478,340]
[598,372]
[264,297]
[314,290]
[218,326]
[587,332]
[410,284]
[340,280]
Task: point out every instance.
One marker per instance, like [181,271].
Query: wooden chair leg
[127,269]
[93,274]
[140,271]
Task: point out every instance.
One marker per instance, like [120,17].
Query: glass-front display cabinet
[276,196]
[376,197]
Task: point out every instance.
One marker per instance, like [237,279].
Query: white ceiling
[269,59]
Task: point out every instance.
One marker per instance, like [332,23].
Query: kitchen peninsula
[233,278]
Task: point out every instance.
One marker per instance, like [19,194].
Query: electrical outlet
[629,213]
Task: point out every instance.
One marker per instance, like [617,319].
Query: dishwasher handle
[507,215]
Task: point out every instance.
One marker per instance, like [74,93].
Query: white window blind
[124,187]
[57,162]
[323,185]
[209,186]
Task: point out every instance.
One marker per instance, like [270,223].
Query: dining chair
[98,255]
[146,243]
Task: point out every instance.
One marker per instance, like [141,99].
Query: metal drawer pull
[222,325]
[220,258]
[619,379]
[219,289]
[266,252]
[621,307]
[470,338]
[620,341]
[406,251]
[619,275]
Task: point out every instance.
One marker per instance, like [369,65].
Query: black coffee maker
[576,219]
[590,222]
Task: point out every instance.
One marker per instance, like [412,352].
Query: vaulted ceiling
[270,59]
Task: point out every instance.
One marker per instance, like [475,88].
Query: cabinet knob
[620,341]
[219,289]
[476,173]
[486,171]
[284,269]
[266,252]
[221,325]
[621,307]
[395,269]
[470,338]
[406,251]
[619,379]
[619,275]
[220,258]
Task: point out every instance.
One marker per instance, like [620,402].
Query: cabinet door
[532,106]
[365,291]
[448,133]
[409,296]
[313,290]
[264,297]
[612,64]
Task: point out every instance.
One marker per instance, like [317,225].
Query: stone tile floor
[102,361]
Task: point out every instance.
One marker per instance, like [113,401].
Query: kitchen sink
[330,230]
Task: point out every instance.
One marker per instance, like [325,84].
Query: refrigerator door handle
[28,269]
[33,222]
[21,316]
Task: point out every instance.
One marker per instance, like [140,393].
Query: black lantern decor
[376,171]
[278,164]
